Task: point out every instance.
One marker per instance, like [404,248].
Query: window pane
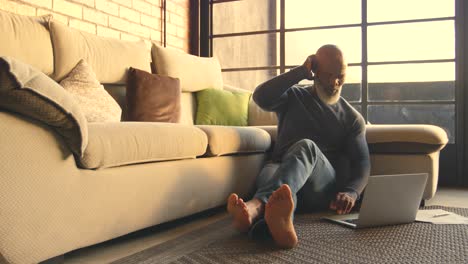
[300,44]
[378,10]
[312,13]
[351,92]
[403,82]
[246,51]
[228,18]
[352,88]
[248,80]
[412,41]
[439,115]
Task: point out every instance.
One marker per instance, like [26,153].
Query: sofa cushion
[116,144]
[405,138]
[28,91]
[27,39]
[224,140]
[152,97]
[95,102]
[195,73]
[224,108]
[109,58]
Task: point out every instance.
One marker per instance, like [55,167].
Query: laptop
[388,200]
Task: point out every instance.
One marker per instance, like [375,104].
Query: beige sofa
[140,174]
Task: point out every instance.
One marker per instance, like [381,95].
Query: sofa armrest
[272,130]
[37,170]
[410,139]
[395,139]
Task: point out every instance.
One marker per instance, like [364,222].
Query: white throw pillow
[96,103]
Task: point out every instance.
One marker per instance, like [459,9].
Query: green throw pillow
[223,108]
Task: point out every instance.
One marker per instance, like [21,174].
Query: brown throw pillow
[152,97]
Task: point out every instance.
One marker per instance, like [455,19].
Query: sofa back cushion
[260,117]
[110,58]
[118,92]
[188,108]
[195,73]
[27,39]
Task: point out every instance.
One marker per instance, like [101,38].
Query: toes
[244,206]
[286,189]
[232,198]
[245,212]
[273,197]
[232,201]
[277,194]
[282,193]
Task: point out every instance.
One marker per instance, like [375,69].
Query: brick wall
[120,19]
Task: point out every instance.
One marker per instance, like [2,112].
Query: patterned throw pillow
[95,102]
[28,91]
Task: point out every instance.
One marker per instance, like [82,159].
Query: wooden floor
[119,248]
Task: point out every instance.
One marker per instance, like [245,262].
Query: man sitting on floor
[316,129]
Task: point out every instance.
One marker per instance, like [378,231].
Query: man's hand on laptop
[343,203]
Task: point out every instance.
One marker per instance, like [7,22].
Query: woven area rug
[319,242]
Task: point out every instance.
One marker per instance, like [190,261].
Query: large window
[401,53]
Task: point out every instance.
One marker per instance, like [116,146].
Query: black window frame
[457,151]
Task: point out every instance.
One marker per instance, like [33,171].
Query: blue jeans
[308,173]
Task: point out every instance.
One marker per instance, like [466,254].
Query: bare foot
[278,213]
[243,213]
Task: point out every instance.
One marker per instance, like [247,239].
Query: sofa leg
[423,203]
[55,260]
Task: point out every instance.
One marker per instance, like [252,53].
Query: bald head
[330,69]
[330,55]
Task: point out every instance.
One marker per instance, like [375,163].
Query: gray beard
[324,97]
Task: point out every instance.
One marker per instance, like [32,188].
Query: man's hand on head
[311,65]
[343,202]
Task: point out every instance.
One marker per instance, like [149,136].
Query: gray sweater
[338,129]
